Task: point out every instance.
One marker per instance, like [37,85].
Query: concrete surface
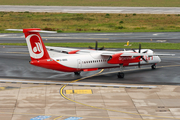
[26,101]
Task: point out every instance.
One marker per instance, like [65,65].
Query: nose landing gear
[120,74]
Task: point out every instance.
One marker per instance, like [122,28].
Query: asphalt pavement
[14,63]
[171,37]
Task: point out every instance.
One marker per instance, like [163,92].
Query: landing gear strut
[153,66]
[120,74]
[77,73]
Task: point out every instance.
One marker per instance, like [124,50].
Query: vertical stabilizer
[36,47]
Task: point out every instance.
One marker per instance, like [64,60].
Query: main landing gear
[153,66]
[120,74]
[77,73]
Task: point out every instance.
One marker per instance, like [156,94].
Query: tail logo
[35,46]
[38,47]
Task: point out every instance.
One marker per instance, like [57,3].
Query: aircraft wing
[128,57]
[147,54]
[61,49]
[124,54]
[68,50]
[162,55]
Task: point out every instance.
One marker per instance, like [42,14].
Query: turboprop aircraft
[77,60]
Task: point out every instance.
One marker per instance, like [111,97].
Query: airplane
[77,60]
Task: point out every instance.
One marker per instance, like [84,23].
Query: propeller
[139,64]
[96,47]
[139,49]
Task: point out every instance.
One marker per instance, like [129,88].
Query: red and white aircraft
[77,60]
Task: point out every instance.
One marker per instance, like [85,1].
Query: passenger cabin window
[85,62]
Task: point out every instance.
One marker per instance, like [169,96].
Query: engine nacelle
[118,59]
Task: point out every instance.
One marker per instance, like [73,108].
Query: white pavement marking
[158,34]
[161,41]
[62,83]
[3,35]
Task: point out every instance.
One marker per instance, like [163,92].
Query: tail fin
[36,47]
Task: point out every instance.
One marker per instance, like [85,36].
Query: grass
[90,22]
[123,3]
[173,46]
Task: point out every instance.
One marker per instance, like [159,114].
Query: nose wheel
[153,66]
[120,74]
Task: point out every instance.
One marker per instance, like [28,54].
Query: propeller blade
[145,51]
[102,48]
[144,59]
[133,50]
[90,47]
[96,45]
[139,48]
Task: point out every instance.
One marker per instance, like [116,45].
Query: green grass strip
[172,46]
[90,22]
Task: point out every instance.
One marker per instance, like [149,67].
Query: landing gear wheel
[77,73]
[120,75]
[153,66]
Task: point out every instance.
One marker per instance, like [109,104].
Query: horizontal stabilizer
[14,29]
[42,31]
